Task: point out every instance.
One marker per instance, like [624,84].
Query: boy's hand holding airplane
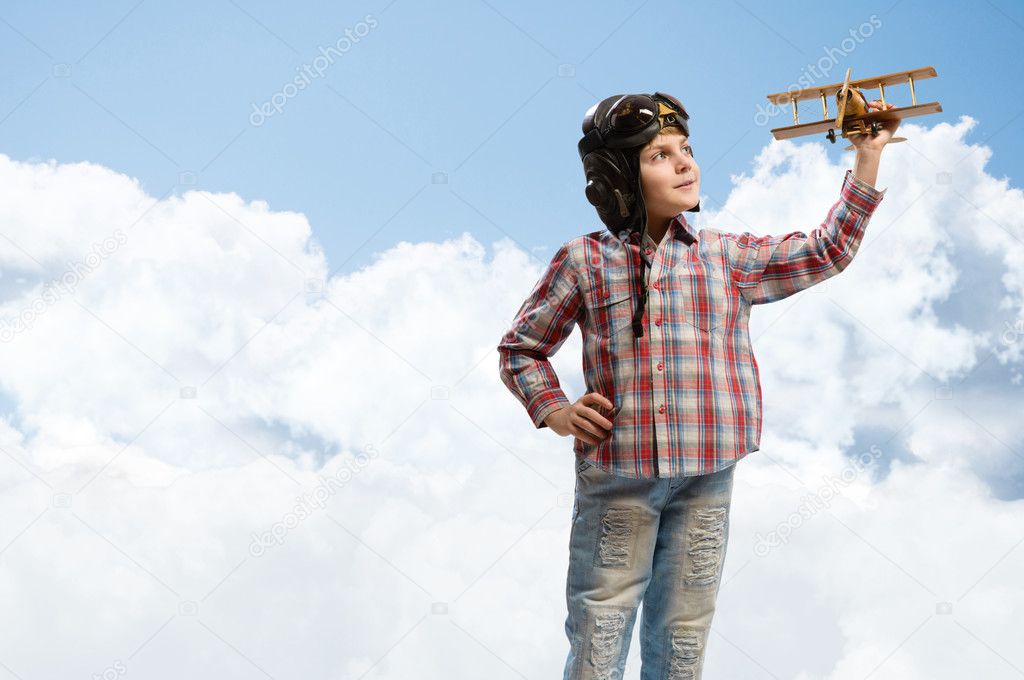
[876,142]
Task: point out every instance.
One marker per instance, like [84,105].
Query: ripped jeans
[658,541]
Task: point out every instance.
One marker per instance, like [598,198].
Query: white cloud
[375,410]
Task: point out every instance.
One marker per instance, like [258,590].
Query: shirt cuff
[546,403]
[859,194]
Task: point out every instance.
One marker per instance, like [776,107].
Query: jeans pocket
[582,464]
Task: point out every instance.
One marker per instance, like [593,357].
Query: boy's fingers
[580,433]
[598,418]
[585,425]
[600,398]
[586,435]
[597,397]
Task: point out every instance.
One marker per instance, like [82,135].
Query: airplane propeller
[841,99]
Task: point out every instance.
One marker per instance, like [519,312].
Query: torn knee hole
[618,527]
[687,652]
[606,643]
[706,539]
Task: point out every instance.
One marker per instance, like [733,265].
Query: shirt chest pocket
[610,310]
[704,297]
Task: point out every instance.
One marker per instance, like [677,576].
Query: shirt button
[661,366]
[654,286]
[648,251]
[658,322]
[661,409]
[606,292]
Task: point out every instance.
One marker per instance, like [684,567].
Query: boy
[673,393]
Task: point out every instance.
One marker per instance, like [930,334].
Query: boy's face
[665,164]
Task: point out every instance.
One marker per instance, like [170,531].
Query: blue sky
[164,409]
[155,90]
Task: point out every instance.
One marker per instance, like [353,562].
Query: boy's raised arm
[770,268]
[542,324]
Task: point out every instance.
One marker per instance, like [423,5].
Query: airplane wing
[827,124]
[831,89]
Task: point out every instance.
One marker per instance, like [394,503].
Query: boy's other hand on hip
[583,420]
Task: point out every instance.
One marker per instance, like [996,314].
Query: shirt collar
[681,229]
[678,229]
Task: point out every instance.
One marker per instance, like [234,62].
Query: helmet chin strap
[638,312]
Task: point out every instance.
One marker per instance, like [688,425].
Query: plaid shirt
[690,384]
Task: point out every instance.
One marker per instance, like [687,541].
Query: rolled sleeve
[770,268]
[860,195]
[544,322]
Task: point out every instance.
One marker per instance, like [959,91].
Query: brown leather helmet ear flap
[611,189]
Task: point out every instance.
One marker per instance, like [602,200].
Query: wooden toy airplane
[853,116]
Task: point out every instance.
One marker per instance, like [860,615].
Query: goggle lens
[632,114]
